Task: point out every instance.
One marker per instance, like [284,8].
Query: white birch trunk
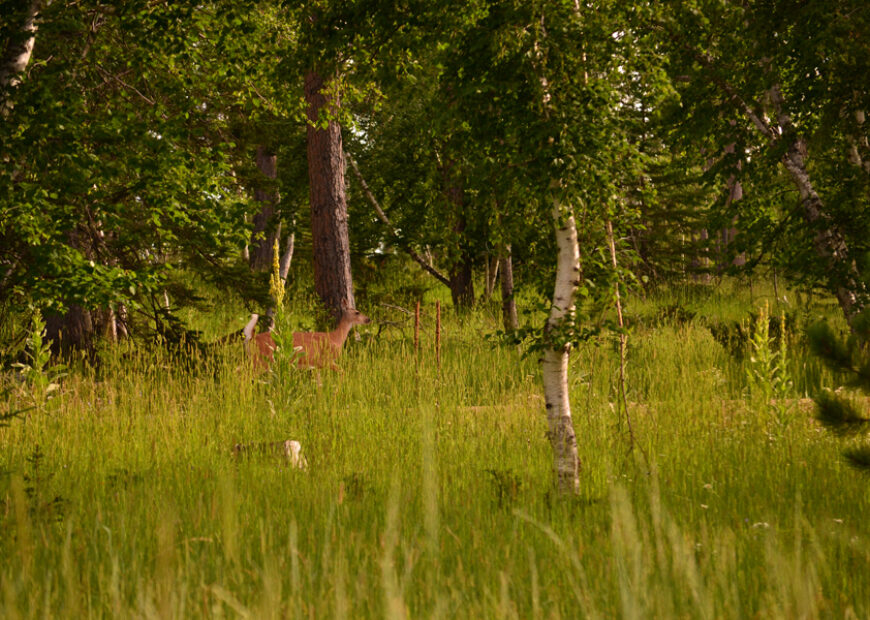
[554,363]
[287,256]
[830,242]
[16,57]
[492,265]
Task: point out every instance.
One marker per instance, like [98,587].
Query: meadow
[428,491]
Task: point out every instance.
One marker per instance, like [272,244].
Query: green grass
[427,493]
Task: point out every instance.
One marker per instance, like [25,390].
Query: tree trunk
[265,231]
[462,283]
[287,257]
[71,331]
[508,303]
[729,234]
[17,54]
[554,363]
[829,242]
[461,275]
[492,266]
[329,230]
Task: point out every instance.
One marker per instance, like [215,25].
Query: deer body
[316,349]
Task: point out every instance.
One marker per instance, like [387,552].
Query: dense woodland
[551,171]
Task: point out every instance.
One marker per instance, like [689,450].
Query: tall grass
[428,493]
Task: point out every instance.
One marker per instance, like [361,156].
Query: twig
[622,336]
[417,330]
[438,336]
[392,307]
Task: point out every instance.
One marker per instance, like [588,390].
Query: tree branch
[393,230]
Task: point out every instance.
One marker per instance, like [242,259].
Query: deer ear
[344,304]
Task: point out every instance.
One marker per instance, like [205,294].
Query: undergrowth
[429,493]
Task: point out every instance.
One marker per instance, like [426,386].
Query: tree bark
[508,303]
[17,54]
[329,227]
[461,275]
[829,241]
[554,363]
[492,267]
[71,331]
[729,234]
[262,238]
[287,256]
[462,283]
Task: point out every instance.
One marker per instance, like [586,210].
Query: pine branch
[859,457]
[839,415]
[825,343]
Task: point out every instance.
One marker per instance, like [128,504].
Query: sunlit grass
[428,492]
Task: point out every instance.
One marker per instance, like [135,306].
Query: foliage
[39,376]
[767,373]
[735,64]
[121,151]
[408,504]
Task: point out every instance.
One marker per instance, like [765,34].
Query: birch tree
[559,147]
[781,81]
[18,50]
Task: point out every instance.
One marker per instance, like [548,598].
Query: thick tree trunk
[72,331]
[265,231]
[508,303]
[554,363]
[461,275]
[329,228]
[462,283]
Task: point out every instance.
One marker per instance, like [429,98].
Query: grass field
[427,493]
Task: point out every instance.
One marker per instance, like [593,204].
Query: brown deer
[316,349]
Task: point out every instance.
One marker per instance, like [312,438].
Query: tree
[519,71]
[780,82]
[116,178]
[20,35]
[266,231]
[329,228]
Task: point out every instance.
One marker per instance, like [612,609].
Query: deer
[317,349]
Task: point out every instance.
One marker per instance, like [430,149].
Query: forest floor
[428,491]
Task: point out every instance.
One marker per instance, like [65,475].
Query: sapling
[37,373]
[767,372]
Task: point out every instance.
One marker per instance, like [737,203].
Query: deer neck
[339,334]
